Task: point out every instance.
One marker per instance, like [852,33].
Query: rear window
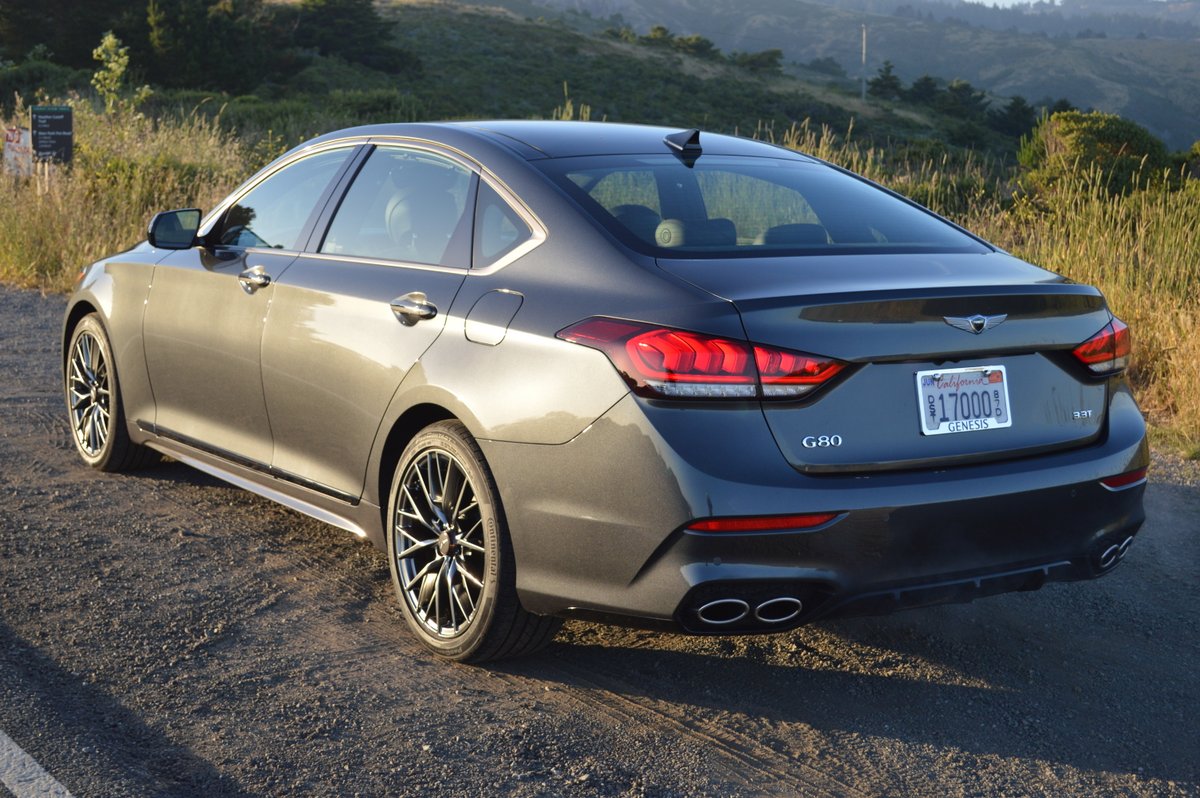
[725,206]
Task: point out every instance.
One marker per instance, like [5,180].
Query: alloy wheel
[439,543]
[90,395]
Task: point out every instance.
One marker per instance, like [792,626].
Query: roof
[536,139]
[547,139]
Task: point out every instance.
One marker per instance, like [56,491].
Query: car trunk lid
[892,318]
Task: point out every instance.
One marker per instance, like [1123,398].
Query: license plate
[963,400]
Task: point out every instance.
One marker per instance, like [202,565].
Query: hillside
[1179,11]
[436,60]
[1149,80]
[491,62]
[1085,19]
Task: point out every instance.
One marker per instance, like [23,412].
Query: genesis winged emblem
[977,323]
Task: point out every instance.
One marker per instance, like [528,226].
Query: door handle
[412,308]
[253,279]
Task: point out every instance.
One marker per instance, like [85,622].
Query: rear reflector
[1108,350]
[666,362]
[1126,480]
[761,523]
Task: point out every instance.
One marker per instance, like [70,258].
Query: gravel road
[165,634]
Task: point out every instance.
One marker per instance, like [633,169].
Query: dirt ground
[163,634]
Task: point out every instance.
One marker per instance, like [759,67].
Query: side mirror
[174,229]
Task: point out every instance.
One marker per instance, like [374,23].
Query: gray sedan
[662,378]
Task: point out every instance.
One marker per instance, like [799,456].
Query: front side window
[274,213]
[406,205]
[727,206]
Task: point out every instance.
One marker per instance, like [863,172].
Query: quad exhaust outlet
[1113,554]
[726,611]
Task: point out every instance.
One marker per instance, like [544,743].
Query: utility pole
[863,70]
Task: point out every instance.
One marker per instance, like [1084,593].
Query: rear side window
[274,213]
[498,228]
[726,206]
[406,205]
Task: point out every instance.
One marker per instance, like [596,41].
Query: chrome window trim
[400,143]
[206,225]
[538,231]
[539,234]
[426,267]
[265,250]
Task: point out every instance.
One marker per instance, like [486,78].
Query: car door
[204,317]
[350,317]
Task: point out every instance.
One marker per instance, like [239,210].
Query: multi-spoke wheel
[451,561]
[94,402]
[440,527]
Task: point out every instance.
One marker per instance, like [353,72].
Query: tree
[960,99]
[766,62]
[624,34]
[697,46]
[353,30]
[65,28]
[205,45]
[1191,160]
[1016,120]
[109,79]
[923,91]
[1069,142]
[885,85]
[659,35]
[828,65]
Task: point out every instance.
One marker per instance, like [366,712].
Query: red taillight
[1127,480]
[662,361]
[678,356]
[1108,350]
[784,372]
[762,523]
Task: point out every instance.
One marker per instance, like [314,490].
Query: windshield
[726,206]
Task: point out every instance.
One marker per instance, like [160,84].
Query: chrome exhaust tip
[1113,554]
[723,611]
[778,610]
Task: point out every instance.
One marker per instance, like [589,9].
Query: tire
[451,558]
[94,407]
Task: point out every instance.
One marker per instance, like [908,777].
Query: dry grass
[126,168]
[1143,251]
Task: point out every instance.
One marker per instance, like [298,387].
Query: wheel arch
[76,312]
[403,430]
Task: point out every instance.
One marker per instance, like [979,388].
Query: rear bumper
[598,524]
[879,561]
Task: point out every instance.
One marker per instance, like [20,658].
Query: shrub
[33,78]
[1069,143]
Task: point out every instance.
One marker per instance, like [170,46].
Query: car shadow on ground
[893,678]
[62,720]
[1041,678]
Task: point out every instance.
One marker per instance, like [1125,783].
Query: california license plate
[963,400]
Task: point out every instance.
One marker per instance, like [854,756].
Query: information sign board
[53,132]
